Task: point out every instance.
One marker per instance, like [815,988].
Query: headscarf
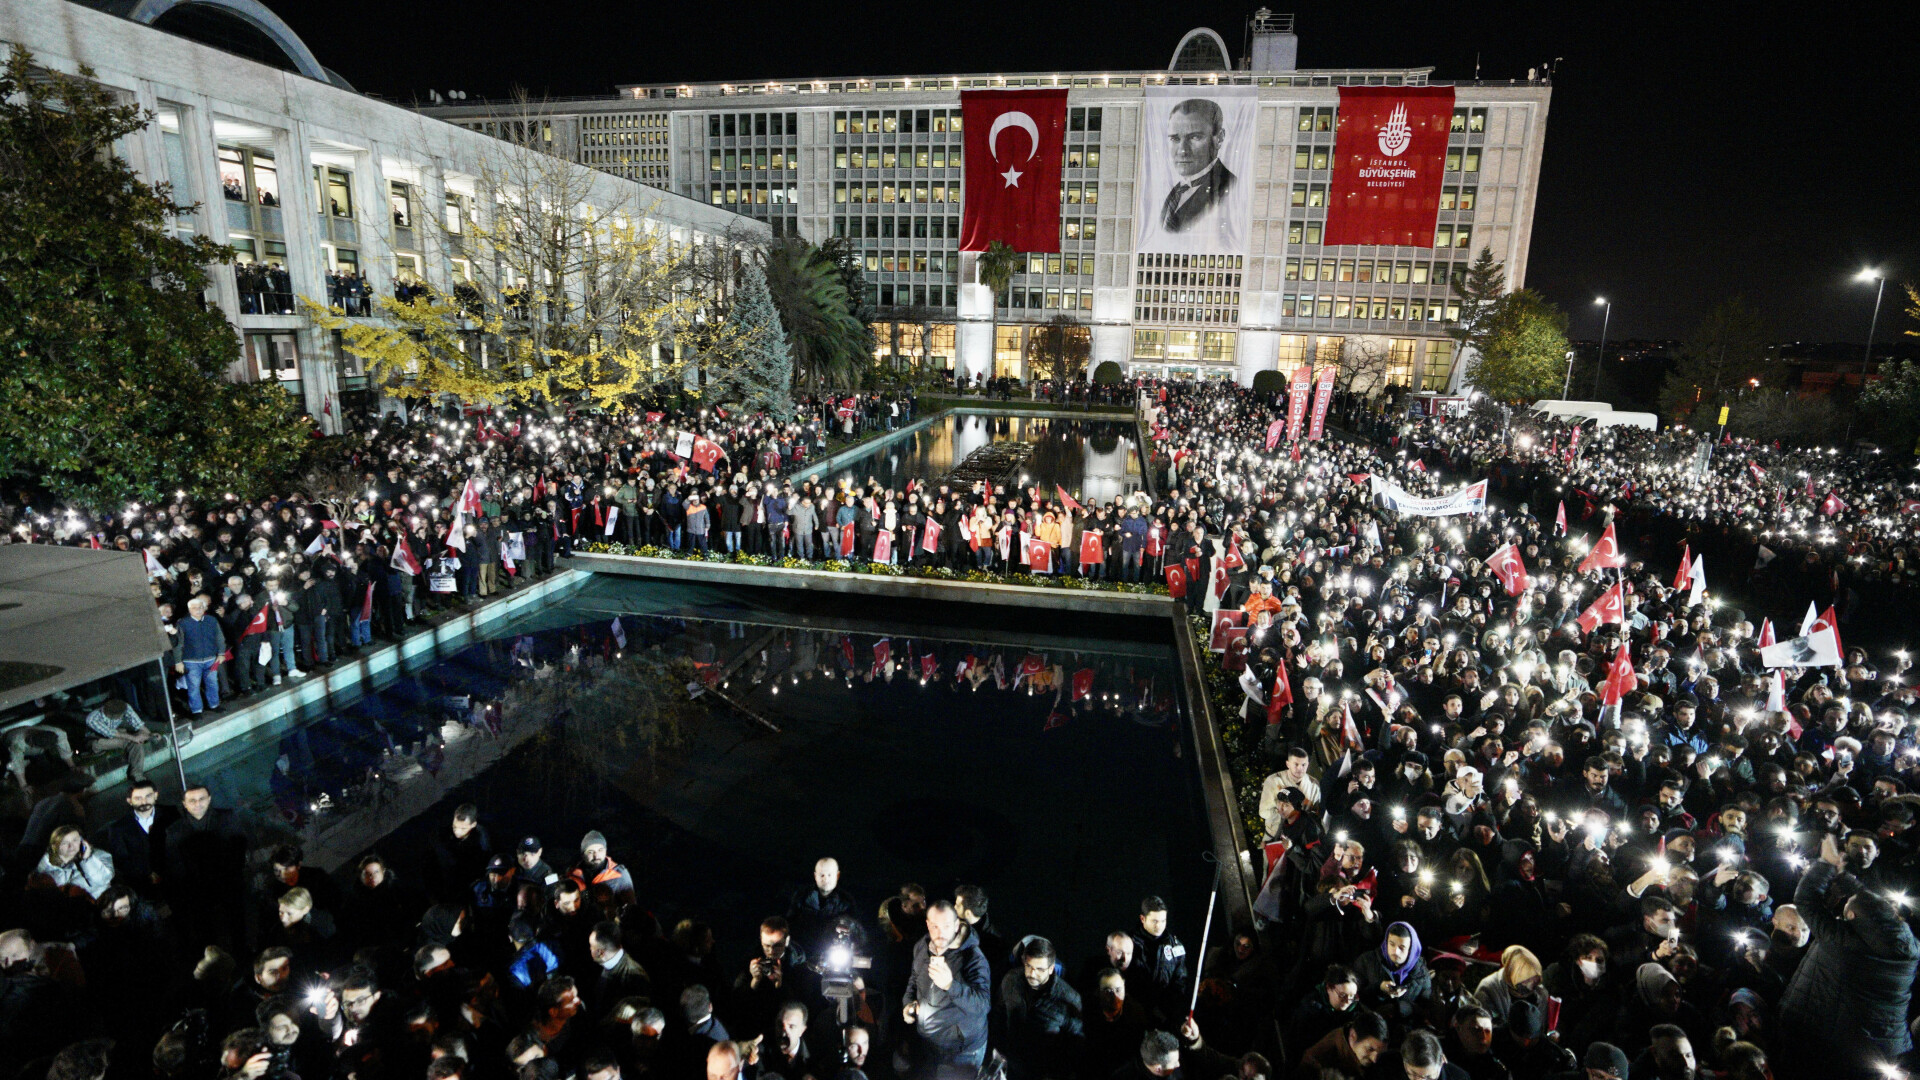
[436,926]
[1649,980]
[1400,974]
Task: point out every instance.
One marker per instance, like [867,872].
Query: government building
[878,161]
[324,193]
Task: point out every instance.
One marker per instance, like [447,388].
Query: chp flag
[1014,142]
[1322,397]
[1297,395]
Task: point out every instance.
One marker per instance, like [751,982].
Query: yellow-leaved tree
[565,291]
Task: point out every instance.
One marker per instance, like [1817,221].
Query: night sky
[1691,155]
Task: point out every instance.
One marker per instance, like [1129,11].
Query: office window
[1313,232]
[1306,119]
[1399,361]
[1466,198]
[1420,272]
[1342,306]
[1463,237]
[713,125]
[1293,352]
[1453,159]
[1293,270]
[1477,120]
[1310,270]
[1346,270]
[1448,198]
[1299,195]
[1443,236]
[1296,232]
[1301,155]
[1472,154]
[1438,370]
[1321,155]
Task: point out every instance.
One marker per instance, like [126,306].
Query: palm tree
[831,345]
[996,267]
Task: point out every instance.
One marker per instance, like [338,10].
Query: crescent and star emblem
[1013,120]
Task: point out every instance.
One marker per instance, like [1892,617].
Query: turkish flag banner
[1093,548]
[1611,607]
[1177,582]
[1297,400]
[1039,556]
[1605,554]
[1273,433]
[1620,681]
[883,546]
[1322,397]
[1083,684]
[846,540]
[1388,157]
[1014,141]
[707,453]
[1507,566]
[930,539]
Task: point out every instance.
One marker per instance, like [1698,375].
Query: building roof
[1200,50]
[71,615]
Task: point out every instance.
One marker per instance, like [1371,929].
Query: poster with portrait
[1195,183]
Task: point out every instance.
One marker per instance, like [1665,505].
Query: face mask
[1591,970]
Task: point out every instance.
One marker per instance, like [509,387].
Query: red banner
[1388,157]
[1014,140]
[1297,400]
[1322,397]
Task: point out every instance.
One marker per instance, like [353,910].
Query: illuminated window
[1438,371]
[1293,352]
[1399,361]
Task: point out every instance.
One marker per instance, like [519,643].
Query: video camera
[837,964]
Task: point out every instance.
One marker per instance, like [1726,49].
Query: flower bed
[1240,740]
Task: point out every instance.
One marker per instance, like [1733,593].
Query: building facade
[877,161]
[324,193]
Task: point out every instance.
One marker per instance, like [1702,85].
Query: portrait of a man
[1196,130]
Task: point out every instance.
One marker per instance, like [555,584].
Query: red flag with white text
[1322,398]
[1389,155]
[1297,395]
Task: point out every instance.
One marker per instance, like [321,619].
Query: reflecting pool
[1095,459]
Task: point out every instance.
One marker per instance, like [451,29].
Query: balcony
[264,288]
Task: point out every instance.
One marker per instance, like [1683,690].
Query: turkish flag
[930,540]
[1605,554]
[707,453]
[1832,504]
[1282,695]
[1066,500]
[1177,581]
[882,654]
[1619,680]
[1681,578]
[259,623]
[403,559]
[1040,556]
[1093,548]
[1273,433]
[655,417]
[883,546]
[1230,557]
[1507,565]
[1610,608]
[1224,620]
[846,540]
[1829,620]
[1766,634]
[1083,684]
[929,664]
[1560,519]
[1030,665]
[1011,168]
[1756,472]
[1388,156]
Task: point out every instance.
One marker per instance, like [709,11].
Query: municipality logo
[1395,135]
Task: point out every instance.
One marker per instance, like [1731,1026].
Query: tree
[574,294]
[112,386]
[764,376]
[1479,290]
[1727,352]
[1524,350]
[1060,348]
[1108,374]
[997,266]
[831,344]
[1891,404]
[1269,381]
[1362,366]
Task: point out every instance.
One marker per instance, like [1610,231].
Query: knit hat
[591,839]
[1608,1058]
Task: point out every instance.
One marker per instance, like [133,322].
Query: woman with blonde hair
[1517,980]
[72,863]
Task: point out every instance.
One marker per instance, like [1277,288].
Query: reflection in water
[1048,768]
[1098,460]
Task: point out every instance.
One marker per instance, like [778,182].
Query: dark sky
[1694,152]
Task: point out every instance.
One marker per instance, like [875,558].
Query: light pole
[1567,383]
[1598,363]
[1871,274]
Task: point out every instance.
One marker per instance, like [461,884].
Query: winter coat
[1857,976]
[952,1021]
[92,872]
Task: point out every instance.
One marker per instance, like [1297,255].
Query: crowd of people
[265,288]
[1505,829]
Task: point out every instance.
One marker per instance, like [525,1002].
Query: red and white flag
[1611,607]
[1697,581]
[1297,395]
[1282,695]
[1273,433]
[1605,555]
[1066,500]
[930,539]
[1039,555]
[1560,519]
[1766,633]
[1777,691]
[1030,665]
[707,454]
[1620,680]
[403,559]
[846,540]
[929,664]
[1416,465]
[1680,575]
[882,655]
[1083,684]
[1322,398]
[1756,472]
[1832,504]
[469,503]
[1093,548]
[1011,168]
[1177,581]
[1508,567]
[1225,621]
[883,546]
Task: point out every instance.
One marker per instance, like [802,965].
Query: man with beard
[138,840]
[948,995]
[597,872]
[1041,1014]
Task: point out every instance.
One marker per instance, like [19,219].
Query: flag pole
[1206,929]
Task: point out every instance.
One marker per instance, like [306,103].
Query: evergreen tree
[1479,289]
[1523,356]
[111,364]
[1727,349]
[765,374]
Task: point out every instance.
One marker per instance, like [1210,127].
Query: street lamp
[1871,274]
[1567,383]
[1604,320]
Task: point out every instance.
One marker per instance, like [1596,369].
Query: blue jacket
[521,969]
[953,1022]
[201,638]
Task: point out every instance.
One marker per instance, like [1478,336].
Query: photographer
[948,997]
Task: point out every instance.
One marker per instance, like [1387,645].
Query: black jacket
[953,1022]
[1857,977]
[138,853]
[1043,1027]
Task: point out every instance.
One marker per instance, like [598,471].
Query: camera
[838,961]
